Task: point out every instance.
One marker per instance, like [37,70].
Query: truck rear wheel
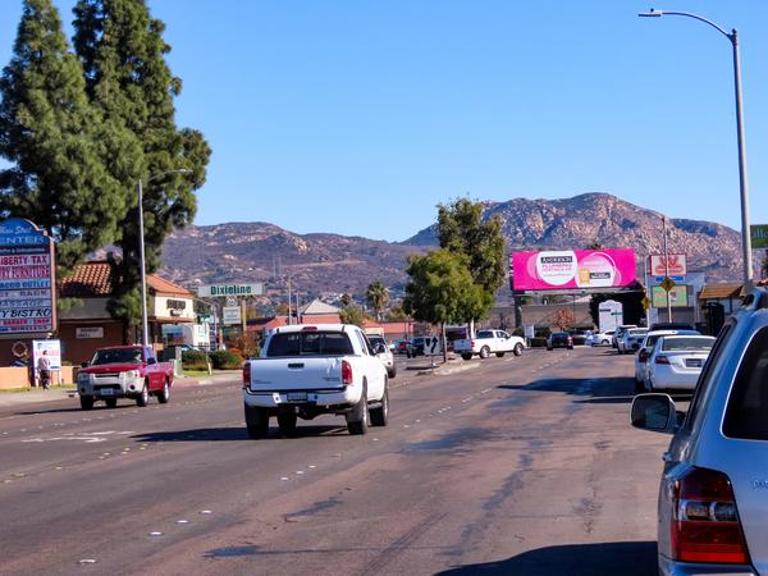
[165,395]
[467,356]
[485,352]
[111,402]
[143,398]
[392,372]
[286,420]
[380,414]
[357,418]
[518,351]
[256,421]
[86,402]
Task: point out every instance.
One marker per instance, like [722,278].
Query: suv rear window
[309,344]
[676,344]
[747,413]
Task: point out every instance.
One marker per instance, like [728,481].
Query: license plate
[296,397]
[107,392]
[693,363]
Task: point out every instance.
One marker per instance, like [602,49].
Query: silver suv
[713,498]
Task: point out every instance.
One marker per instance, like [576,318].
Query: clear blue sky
[359,117]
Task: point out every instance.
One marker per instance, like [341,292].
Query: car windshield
[309,344]
[679,344]
[117,356]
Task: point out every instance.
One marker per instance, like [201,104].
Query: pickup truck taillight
[662,360]
[346,373]
[705,523]
[471,343]
[246,374]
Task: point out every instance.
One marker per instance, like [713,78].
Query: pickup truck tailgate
[295,373]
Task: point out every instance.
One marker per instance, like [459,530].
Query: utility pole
[289,301]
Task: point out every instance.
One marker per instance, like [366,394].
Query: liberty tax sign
[27,279]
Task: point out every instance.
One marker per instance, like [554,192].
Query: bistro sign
[27,279]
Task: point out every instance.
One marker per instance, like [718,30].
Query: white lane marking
[156,533]
[206,512]
[86,561]
[182,521]
[312,466]
[284,478]
[87,440]
[299,472]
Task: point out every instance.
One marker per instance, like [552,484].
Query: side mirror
[380,348]
[654,412]
[83,364]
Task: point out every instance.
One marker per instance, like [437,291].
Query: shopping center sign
[221,290]
[27,280]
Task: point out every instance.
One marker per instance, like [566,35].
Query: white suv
[713,498]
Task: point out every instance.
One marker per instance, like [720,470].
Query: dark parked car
[559,340]
[416,347]
[579,337]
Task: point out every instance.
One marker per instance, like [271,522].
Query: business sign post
[573,269]
[678,296]
[27,280]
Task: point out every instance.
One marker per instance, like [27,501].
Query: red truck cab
[124,372]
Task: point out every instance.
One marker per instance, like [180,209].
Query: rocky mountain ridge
[331,263]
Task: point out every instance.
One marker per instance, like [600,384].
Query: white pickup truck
[308,370]
[487,342]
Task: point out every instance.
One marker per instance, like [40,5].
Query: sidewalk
[38,395]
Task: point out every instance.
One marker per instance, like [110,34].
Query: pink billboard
[573,269]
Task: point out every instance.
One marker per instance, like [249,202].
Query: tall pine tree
[122,51]
[55,140]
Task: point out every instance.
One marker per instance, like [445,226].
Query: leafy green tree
[377,296]
[397,314]
[461,230]
[55,140]
[122,51]
[441,290]
[352,314]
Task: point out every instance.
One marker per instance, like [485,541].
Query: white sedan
[600,338]
[676,362]
[646,347]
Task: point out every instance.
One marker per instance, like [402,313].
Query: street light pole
[143,265]
[733,37]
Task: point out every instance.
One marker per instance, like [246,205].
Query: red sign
[677,265]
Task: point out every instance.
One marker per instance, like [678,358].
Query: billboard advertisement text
[573,269]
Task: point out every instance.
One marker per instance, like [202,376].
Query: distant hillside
[333,263]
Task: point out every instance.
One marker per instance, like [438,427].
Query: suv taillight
[246,374]
[346,373]
[705,521]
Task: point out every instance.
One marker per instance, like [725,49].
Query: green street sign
[759,235]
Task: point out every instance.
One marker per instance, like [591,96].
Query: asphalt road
[509,466]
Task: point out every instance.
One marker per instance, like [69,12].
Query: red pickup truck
[124,372]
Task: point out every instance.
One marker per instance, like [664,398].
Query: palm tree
[378,297]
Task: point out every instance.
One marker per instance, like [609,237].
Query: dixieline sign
[220,290]
[27,279]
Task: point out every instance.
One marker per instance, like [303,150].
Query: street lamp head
[652,14]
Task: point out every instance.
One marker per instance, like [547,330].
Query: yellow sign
[646,302]
[668,284]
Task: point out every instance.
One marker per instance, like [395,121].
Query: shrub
[226,360]
[194,360]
